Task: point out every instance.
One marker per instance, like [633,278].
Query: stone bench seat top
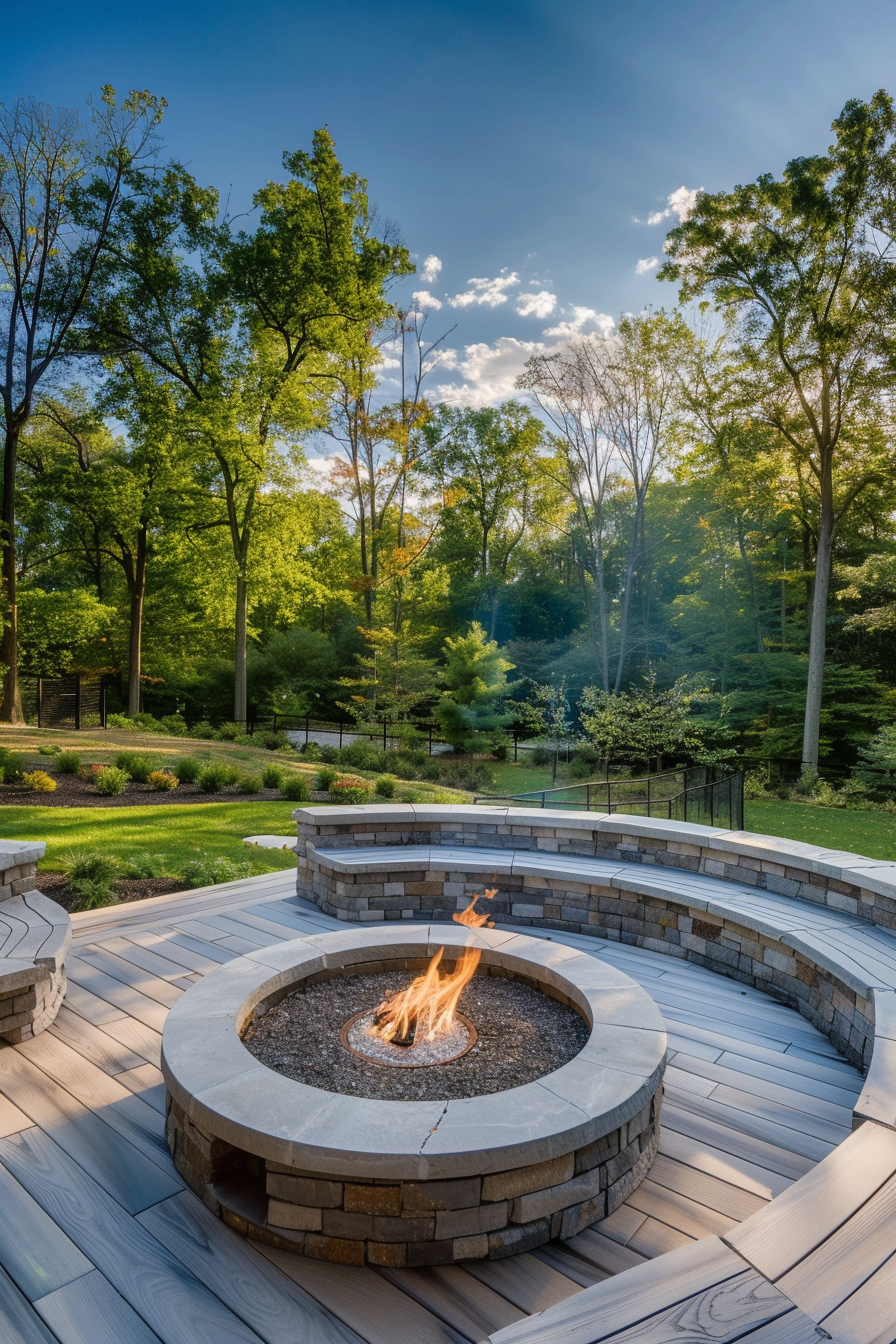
[861,954]
[33,930]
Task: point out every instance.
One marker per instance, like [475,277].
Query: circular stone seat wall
[356,1180]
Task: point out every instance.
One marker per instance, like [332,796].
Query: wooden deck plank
[93,1044]
[678,1210]
[130,1001]
[468,1306]
[818,1098]
[575,1267]
[721,1196]
[755,1121]
[598,1313]
[725,1313]
[713,1135]
[125,1174]
[364,1301]
[156,963]
[148,983]
[21,1323]
[90,1311]
[34,1251]
[90,1006]
[655,1237]
[152,940]
[599,1250]
[736,1171]
[869,1315]
[146,1082]
[11,1118]
[528,1283]
[143,1040]
[267,1300]
[118,1106]
[162,1291]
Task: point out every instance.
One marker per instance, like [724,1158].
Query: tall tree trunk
[602,617]
[11,703]
[239,679]
[627,596]
[751,584]
[135,631]
[818,628]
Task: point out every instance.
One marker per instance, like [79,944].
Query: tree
[648,723]
[235,336]
[802,267]
[476,680]
[62,186]
[569,394]
[495,491]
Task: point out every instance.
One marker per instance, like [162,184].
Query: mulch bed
[523,1034]
[55,885]
[72,791]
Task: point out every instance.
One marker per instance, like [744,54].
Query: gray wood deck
[100,1242]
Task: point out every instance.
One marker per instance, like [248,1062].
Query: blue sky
[519,139]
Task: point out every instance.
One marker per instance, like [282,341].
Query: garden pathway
[101,1244]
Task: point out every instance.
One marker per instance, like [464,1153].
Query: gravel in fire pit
[523,1034]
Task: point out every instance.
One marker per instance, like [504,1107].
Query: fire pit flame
[471,918]
[428,1004]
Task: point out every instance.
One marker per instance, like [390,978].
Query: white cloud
[489,372]
[430,269]
[423,299]
[541,304]
[578,320]
[679,202]
[646,265]
[484,291]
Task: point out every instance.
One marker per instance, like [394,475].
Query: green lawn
[180,833]
[513,778]
[870,833]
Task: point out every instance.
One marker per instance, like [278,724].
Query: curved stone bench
[35,934]
[807,925]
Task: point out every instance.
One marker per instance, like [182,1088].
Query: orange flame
[428,1004]
[470,917]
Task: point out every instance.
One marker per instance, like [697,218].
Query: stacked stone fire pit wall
[359,1180]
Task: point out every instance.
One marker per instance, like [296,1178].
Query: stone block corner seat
[35,934]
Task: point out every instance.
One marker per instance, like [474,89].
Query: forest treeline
[703,498]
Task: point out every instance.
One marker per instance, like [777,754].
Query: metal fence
[710,795]
[75,701]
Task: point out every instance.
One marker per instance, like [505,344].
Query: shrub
[876,768]
[210,872]
[109,780]
[270,740]
[93,866]
[145,865]
[413,796]
[175,725]
[271,777]
[122,721]
[540,755]
[323,780]
[311,751]
[229,732]
[216,776]
[363,756]
[161,781]
[39,781]
[351,789]
[329,755]
[500,745]
[295,788]
[91,895]
[12,765]
[385,786]
[51,749]
[68,763]
[138,767]
[432,770]
[187,769]
[202,730]
[470,775]
[249,784]
[146,723]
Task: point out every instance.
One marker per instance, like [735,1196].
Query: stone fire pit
[357,1179]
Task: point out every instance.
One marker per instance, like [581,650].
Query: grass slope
[180,834]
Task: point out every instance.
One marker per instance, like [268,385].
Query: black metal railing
[709,795]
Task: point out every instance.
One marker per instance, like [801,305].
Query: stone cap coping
[15,852]
[873,875]
[230,1094]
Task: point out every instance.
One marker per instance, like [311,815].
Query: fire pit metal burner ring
[370,1056]
[361,1180]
